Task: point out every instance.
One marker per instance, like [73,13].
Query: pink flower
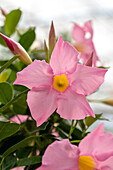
[62,84]
[83,43]
[22,118]
[18,168]
[17,49]
[95,152]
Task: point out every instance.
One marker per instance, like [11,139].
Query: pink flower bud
[17,49]
[52,38]
[3,11]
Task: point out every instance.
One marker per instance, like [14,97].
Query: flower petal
[97,144]
[73,106]
[61,155]
[64,57]
[88,28]
[85,80]
[107,164]
[42,103]
[78,33]
[36,74]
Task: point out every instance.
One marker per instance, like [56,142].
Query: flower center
[86,163]
[60,82]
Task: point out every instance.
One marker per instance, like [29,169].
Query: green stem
[75,141]
[72,128]
[4,116]
[8,63]
[12,101]
[94,100]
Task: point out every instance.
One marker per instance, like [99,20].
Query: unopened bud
[3,11]
[17,49]
[108,101]
[52,38]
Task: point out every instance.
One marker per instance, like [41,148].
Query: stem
[72,128]
[12,101]
[94,100]
[8,63]
[75,141]
[4,116]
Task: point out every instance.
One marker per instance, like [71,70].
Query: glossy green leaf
[4,76]
[12,20]
[24,152]
[20,105]
[42,127]
[27,38]
[9,162]
[90,120]
[28,161]
[2,42]
[7,129]
[6,92]
[20,144]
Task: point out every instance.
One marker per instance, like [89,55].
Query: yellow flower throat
[60,82]
[86,163]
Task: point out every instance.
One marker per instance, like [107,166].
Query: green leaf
[2,42]
[11,21]
[24,152]
[7,129]
[9,162]
[42,127]
[27,38]
[29,161]
[20,144]
[6,92]
[8,63]
[90,120]
[4,76]
[20,105]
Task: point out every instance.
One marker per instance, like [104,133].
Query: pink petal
[85,80]
[88,28]
[97,144]
[88,49]
[61,155]
[73,106]
[107,164]
[36,74]
[42,103]
[22,118]
[78,33]
[64,57]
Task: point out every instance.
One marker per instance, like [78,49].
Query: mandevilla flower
[20,118]
[62,84]
[84,44]
[17,49]
[95,152]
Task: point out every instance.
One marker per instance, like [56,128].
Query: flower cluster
[61,86]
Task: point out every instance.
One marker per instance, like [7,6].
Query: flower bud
[108,101]
[52,38]
[17,49]
[3,11]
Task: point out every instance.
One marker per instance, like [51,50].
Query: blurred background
[39,14]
